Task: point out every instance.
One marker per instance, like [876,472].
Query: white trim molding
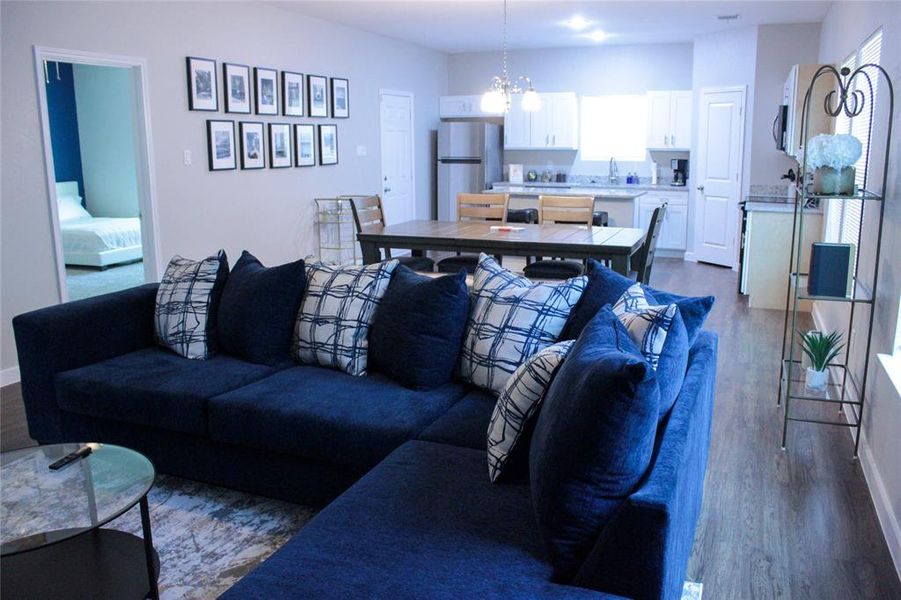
[9,376]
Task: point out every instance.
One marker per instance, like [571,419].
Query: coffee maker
[680,171]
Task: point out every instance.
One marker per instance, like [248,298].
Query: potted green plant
[833,157]
[820,349]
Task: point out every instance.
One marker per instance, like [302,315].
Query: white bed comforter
[100,234]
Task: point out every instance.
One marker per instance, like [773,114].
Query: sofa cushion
[258,309]
[337,309]
[154,387]
[425,523]
[605,286]
[327,415]
[511,319]
[418,328]
[187,301]
[465,424]
[593,440]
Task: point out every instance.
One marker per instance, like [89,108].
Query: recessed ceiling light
[578,23]
[734,17]
[598,35]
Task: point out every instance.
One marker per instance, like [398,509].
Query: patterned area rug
[209,537]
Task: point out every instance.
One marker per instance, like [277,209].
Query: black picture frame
[325,159]
[289,109]
[276,161]
[300,131]
[262,93]
[337,85]
[203,89]
[317,107]
[216,161]
[232,103]
[245,127]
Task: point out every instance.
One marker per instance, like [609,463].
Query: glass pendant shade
[531,101]
[494,101]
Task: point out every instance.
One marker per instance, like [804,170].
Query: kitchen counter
[629,193]
[780,204]
[551,185]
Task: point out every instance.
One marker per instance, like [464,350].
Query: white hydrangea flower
[836,151]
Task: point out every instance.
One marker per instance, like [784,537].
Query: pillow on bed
[70,208]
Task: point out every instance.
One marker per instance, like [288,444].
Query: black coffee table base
[100,564]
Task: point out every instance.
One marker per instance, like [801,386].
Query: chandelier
[498,97]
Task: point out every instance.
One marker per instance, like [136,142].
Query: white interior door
[397,156]
[720,141]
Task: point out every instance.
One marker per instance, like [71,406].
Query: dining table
[615,245]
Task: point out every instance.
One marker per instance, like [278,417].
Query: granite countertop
[597,192]
[541,185]
[782,204]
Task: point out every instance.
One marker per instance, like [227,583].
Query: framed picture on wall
[317,94]
[266,90]
[279,145]
[304,155]
[252,153]
[221,145]
[237,88]
[340,98]
[202,84]
[292,94]
[328,144]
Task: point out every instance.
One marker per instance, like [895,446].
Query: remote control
[71,457]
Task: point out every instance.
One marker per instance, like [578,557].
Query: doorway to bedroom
[97,173]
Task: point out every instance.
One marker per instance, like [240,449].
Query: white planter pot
[816,380]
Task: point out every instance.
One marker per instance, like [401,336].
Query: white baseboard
[9,376]
[690,257]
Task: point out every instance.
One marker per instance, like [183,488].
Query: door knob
[387,190]
[700,188]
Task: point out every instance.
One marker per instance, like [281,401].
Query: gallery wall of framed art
[267,92]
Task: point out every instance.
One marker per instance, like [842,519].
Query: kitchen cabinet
[669,120]
[674,231]
[450,107]
[555,126]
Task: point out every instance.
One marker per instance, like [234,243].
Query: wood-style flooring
[774,524]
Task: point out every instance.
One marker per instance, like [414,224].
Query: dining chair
[570,210]
[475,207]
[645,258]
[368,211]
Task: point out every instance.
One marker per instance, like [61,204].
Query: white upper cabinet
[669,120]
[555,126]
[450,107]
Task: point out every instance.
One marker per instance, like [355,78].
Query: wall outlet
[361,151]
[188,159]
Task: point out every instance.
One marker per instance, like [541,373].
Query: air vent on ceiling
[734,17]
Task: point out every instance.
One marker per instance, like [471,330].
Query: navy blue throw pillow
[258,308]
[593,440]
[605,286]
[418,328]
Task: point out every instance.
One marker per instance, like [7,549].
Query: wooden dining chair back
[649,249]
[368,212]
[482,207]
[573,210]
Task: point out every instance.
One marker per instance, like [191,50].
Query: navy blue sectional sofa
[409,509]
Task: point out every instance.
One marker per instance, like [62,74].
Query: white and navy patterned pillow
[511,319]
[647,325]
[184,316]
[518,403]
[332,328]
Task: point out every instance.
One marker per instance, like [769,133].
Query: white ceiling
[475,25]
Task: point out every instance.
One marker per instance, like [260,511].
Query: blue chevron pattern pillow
[511,319]
[647,325]
[519,402]
[186,302]
[332,327]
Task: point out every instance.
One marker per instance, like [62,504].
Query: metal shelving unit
[845,387]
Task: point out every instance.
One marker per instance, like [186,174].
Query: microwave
[780,125]
[788,124]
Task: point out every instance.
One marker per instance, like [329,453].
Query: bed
[90,241]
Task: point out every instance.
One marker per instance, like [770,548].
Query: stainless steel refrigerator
[470,159]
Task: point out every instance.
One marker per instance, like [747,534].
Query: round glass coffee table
[52,544]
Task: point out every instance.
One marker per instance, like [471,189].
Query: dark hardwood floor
[792,524]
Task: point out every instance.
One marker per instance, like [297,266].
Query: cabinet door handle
[673,140]
[547,140]
[554,140]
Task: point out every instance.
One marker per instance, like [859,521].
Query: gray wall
[104,100]
[847,25]
[270,212]
[587,71]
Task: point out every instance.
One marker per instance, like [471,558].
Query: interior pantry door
[396,110]
[718,180]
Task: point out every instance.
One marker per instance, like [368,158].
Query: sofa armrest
[75,334]
[643,551]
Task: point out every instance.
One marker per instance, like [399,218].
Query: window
[614,127]
[847,216]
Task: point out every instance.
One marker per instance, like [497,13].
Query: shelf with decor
[836,369]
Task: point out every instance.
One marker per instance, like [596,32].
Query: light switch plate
[188,160]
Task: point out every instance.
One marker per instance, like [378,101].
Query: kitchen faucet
[613,173]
